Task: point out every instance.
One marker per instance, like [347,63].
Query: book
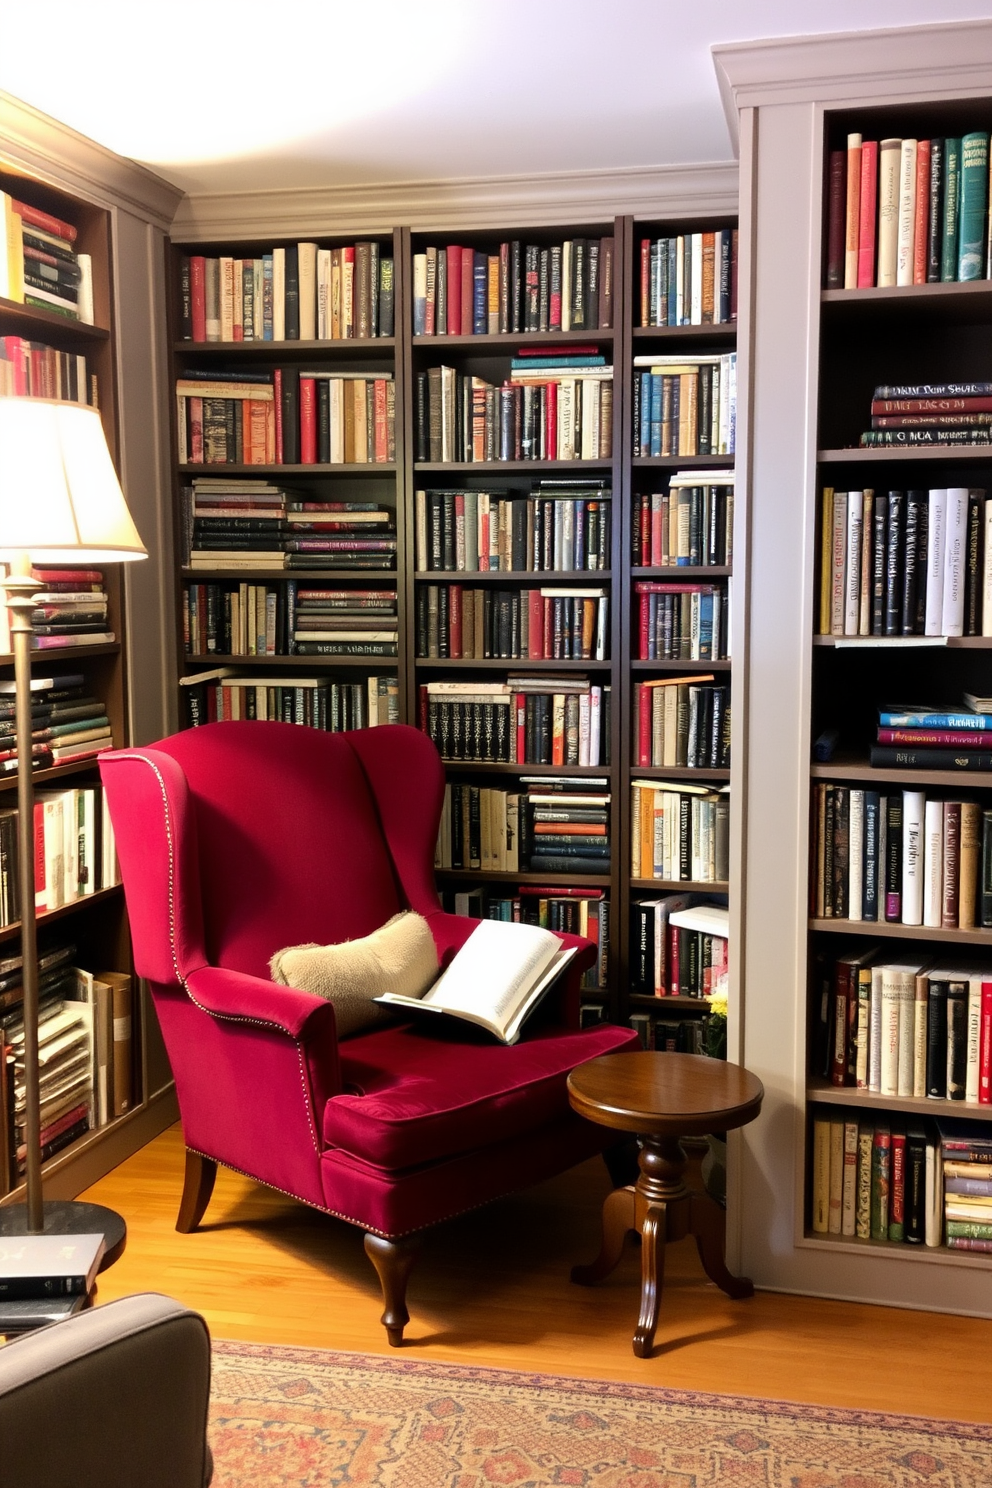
[495,980]
[41,1266]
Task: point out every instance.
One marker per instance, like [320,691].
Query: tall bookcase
[112,204]
[810,360]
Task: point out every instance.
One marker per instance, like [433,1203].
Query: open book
[498,976]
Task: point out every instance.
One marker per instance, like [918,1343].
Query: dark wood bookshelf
[563,880]
[62,655]
[35,324]
[505,341]
[371,348]
[74,907]
[509,467]
[895,931]
[659,1004]
[682,462]
[502,767]
[725,331]
[296,663]
[535,578]
[269,472]
[677,772]
[681,666]
[514,664]
[274,575]
[677,573]
[681,885]
[859,771]
[43,778]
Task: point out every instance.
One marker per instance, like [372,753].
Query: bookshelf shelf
[966,303]
[904,643]
[502,767]
[682,462]
[48,326]
[274,575]
[533,578]
[48,917]
[295,663]
[511,663]
[561,880]
[681,885]
[952,454]
[677,772]
[368,348]
[895,931]
[677,573]
[854,770]
[659,1004]
[681,666]
[509,467]
[62,655]
[506,341]
[42,778]
[727,331]
[898,1250]
[269,472]
[844,1095]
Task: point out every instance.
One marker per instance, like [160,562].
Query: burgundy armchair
[236,839]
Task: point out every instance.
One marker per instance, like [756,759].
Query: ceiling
[217,98]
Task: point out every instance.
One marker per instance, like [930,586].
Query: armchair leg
[198,1185]
[393,1260]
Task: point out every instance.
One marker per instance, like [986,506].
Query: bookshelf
[55,171]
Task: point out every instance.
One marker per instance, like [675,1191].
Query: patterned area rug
[305,1418]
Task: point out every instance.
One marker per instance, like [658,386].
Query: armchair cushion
[414,1097]
[398,957]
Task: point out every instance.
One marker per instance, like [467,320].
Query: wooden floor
[492,1288]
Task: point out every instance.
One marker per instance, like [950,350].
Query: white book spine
[933,863]
[907,1032]
[987,572]
[84,303]
[889,156]
[852,562]
[907,212]
[595,721]
[912,857]
[891,1004]
[278,294]
[856,848]
[849,1203]
[696,297]
[584,703]
[974,1038]
[875,1035]
[934,1196]
[420,530]
[955,542]
[936,524]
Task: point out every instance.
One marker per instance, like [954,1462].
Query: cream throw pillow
[398,957]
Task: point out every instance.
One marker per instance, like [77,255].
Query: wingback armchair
[236,839]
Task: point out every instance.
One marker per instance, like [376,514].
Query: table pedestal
[661,1207]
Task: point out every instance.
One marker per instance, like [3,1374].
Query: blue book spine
[662,301]
[913,720]
[267,297]
[655,413]
[579,530]
[645,429]
[532,364]
[869,903]
[652,627]
[480,316]
[705,627]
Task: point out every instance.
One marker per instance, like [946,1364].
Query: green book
[974,187]
[881,1157]
[965,1229]
[952,208]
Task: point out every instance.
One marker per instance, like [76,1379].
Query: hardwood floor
[492,1288]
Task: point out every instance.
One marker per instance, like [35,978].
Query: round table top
[660,1094]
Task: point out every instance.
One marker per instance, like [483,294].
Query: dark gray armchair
[115,1397]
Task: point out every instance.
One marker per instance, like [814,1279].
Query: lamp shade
[60,499]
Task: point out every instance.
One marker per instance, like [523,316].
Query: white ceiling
[225,95]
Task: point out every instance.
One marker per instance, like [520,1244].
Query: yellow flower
[718,1004]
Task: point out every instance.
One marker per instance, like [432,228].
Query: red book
[277,404]
[195,430]
[869,200]
[308,421]
[15,356]
[557,891]
[842,992]
[644,628]
[897,1180]
[921,225]
[454,303]
[551,422]
[520,713]
[674,969]
[381,425]
[423,701]
[985,1048]
[931,405]
[535,625]
[468,290]
[198,295]
[40,890]
[836,208]
[644,701]
[74,576]
[569,348]
[455,621]
[47,223]
[937,738]
[484,564]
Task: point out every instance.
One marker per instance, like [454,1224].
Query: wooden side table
[663,1097]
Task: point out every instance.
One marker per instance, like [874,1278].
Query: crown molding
[42,147]
[952,58]
[461,203]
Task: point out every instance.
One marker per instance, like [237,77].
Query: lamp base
[69,1217]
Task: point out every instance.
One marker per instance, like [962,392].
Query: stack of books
[935,738]
[967,1165]
[670,1035]
[70,608]
[689,525]
[560,526]
[679,833]
[30,369]
[877,1181]
[234,620]
[921,413]
[74,850]
[904,1028]
[524,720]
[690,279]
[682,621]
[899,857]
[908,211]
[682,723]
[548,409]
[46,1278]
[67,724]
[567,823]
[256,525]
[343,622]
[538,624]
[685,405]
[520,287]
[315,702]
[679,947]
[299,292]
[39,264]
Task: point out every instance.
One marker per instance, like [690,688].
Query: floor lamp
[60,503]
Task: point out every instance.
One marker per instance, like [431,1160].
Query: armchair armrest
[249,999]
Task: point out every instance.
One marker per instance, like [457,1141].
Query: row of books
[935,738]
[316,702]
[685,405]
[533,624]
[558,411]
[873,1180]
[669,1035]
[39,264]
[521,286]
[67,723]
[288,417]
[552,825]
[524,720]
[966,1170]
[907,1028]
[901,858]
[558,526]
[74,850]
[689,279]
[30,369]
[906,562]
[922,413]
[300,292]
[85,1053]
[682,622]
[262,620]
[682,723]
[678,947]
[689,525]
[679,833]
[571,910]
[908,211]
[246,523]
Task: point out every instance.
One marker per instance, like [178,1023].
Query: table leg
[653,1236]
[708,1224]
[618,1221]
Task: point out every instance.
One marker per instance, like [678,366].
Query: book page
[495,970]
